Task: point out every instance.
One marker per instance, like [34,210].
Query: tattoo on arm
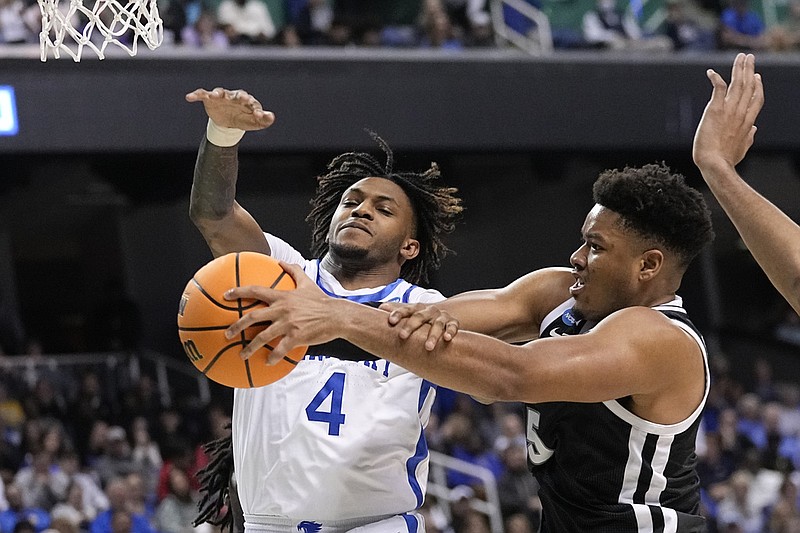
[214,185]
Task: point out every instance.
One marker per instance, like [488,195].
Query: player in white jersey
[336,445]
[355,426]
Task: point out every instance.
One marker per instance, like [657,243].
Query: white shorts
[404,523]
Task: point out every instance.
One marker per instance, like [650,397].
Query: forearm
[771,236]
[468,363]
[214,184]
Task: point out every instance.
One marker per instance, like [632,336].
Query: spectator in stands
[313,22]
[96,445]
[608,26]
[73,509]
[15,28]
[116,459]
[246,22]
[122,521]
[784,516]
[179,507]
[511,429]
[118,517]
[45,400]
[18,512]
[715,467]
[140,501]
[181,457]
[517,488]
[789,398]
[736,509]
[205,33]
[786,37]
[90,404]
[143,399]
[741,27]
[465,15]
[94,499]
[685,31]
[438,32]
[464,441]
[146,454]
[42,484]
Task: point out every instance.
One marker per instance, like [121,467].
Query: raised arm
[225,225]
[724,135]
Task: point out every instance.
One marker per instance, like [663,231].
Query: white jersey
[334,440]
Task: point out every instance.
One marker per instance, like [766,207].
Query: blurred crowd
[84,452]
[683,25]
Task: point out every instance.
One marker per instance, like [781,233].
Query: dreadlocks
[214,506]
[435,207]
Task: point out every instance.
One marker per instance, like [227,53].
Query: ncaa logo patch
[307,526]
[568,318]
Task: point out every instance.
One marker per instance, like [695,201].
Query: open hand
[727,127]
[233,109]
[303,316]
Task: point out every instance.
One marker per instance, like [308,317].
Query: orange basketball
[204,315]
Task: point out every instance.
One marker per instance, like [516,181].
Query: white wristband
[221,136]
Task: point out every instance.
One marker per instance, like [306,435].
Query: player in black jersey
[615,380]
[724,135]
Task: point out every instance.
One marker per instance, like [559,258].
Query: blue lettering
[373,365]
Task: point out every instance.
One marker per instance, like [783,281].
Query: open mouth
[577,286]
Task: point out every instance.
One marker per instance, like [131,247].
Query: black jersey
[602,468]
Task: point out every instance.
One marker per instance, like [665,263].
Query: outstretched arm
[655,362]
[225,225]
[724,135]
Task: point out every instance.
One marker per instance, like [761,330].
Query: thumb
[297,273]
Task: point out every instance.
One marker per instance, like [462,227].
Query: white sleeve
[425,296]
[283,251]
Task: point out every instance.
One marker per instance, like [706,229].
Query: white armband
[221,136]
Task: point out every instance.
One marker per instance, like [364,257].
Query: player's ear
[410,249]
[650,264]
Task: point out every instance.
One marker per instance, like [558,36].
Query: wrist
[222,136]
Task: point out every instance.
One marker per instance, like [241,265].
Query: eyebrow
[380,197]
[595,236]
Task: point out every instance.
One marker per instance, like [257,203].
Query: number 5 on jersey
[538,453]
[333,388]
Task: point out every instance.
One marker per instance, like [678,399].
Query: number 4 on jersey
[334,388]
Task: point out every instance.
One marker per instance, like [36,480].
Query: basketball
[204,315]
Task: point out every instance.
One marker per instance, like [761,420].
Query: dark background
[94,188]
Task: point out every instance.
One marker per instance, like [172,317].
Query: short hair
[435,207]
[657,204]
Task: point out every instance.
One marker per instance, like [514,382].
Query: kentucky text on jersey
[381,365]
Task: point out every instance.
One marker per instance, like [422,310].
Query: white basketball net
[70,26]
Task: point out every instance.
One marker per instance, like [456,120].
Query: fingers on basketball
[204,315]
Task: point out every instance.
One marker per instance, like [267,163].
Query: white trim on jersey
[557,312]
[669,429]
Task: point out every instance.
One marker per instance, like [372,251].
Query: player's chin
[347,249]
